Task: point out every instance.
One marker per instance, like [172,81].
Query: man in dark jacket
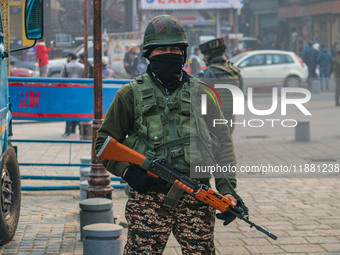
[90,66]
[220,71]
[310,58]
[73,69]
[194,62]
[324,60]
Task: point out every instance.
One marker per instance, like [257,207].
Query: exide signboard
[190,4]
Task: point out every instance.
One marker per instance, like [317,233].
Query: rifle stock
[116,151]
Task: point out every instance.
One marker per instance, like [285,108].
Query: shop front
[202,19]
[316,22]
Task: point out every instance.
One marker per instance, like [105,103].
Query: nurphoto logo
[282,102]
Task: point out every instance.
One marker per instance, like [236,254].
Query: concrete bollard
[102,239]
[302,131]
[83,193]
[316,86]
[85,160]
[84,173]
[95,210]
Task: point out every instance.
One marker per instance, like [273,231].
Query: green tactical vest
[171,126]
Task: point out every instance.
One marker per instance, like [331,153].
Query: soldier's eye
[176,50]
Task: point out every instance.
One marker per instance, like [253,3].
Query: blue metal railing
[48,177]
[53,141]
[76,187]
[47,141]
[61,178]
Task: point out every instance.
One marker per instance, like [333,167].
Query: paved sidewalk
[301,209]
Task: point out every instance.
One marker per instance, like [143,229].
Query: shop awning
[327,7]
[190,4]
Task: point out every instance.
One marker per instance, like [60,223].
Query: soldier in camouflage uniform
[153,114]
[220,71]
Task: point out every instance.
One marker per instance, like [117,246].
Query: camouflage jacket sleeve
[117,124]
[205,74]
[224,155]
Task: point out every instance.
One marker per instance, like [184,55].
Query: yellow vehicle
[9,173]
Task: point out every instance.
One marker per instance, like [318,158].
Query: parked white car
[268,68]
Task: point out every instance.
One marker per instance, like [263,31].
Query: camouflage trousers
[150,224]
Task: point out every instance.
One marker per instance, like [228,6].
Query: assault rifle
[158,168]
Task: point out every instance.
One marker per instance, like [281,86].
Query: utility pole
[86,27]
[99,178]
[218,23]
[47,23]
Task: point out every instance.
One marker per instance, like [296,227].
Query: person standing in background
[139,64]
[309,57]
[220,70]
[128,60]
[126,55]
[90,66]
[42,57]
[324,59]
[334,49]
[108,73]
[195,62]
[73,69]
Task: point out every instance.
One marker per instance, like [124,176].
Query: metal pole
[134,16]
[218,23]
[99,180]
[47,24]
[86,18]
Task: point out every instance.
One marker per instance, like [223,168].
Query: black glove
[228,216]
[138,179]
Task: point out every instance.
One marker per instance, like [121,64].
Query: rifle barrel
[271,235]
[259,228]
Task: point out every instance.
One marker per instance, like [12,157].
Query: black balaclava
[168,69]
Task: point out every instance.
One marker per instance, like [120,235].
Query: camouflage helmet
[164,30]
[213,48]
